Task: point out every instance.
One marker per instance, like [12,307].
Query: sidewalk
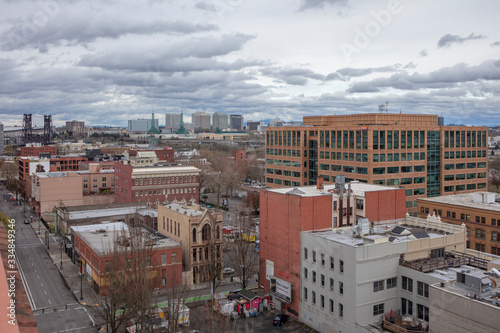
[71,275]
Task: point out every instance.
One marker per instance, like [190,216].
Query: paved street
[54,307]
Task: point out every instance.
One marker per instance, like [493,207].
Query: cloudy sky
[108,61]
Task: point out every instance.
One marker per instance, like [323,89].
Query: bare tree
[242,255]
[252,201]
[130,279]
[495,178]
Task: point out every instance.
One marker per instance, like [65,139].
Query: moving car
[228,270]
[280,319]
[26,221]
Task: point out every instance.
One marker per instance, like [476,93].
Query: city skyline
[107,63]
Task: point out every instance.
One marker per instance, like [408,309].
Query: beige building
[467,304]
[50,190]
[199,230]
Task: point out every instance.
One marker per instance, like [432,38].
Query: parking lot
[262,323]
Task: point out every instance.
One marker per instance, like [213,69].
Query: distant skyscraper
[220,121]
[201,120]
[141,125]
[253,125]
[75,126]
[173,120]
[236,121]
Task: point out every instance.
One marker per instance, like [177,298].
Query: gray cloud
[495,43]
[443,78]
[310,4]
[177,55]
[76,27]
[302,76]
[203,5]
[423,53]
[449,39]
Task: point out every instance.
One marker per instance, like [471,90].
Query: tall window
[407,284]
[378,309]
[205,233]
[378,286]
[422,289]
[194,235]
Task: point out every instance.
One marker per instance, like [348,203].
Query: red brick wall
[282,217]
[385,205]
[172,271]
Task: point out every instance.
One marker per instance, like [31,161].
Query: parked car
[228,270]
[280,319]
[26,221]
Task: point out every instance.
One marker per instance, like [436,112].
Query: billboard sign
[281,289]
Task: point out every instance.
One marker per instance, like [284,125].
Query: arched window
[194,235]
[205,232]
[218,232]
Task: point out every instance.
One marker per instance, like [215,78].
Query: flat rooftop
[486,289]
[194,210]
[57,174]
[102,238]
[164,167]
[109,212]
[357,188]
[393,231]
[467,200]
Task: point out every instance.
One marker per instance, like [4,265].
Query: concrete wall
[456,313]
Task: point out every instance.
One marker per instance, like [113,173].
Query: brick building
[408,150]
[34,149]
[144,179]
[479,211]
[199,230]
[104,248]
[30,165]
[163,154]
[285,212]
[77,127]
[131,213]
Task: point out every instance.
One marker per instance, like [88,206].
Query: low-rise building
[479,211]
[469,303]
[351,276]
[106,248]
[34,149]
[49,190]
[285,213]
[144,178]
[132,213]
[199,230]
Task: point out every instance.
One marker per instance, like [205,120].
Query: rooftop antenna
[386,105]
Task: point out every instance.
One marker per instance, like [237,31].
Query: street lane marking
[25,283]
[41,284]
[45,291]
[49,301]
